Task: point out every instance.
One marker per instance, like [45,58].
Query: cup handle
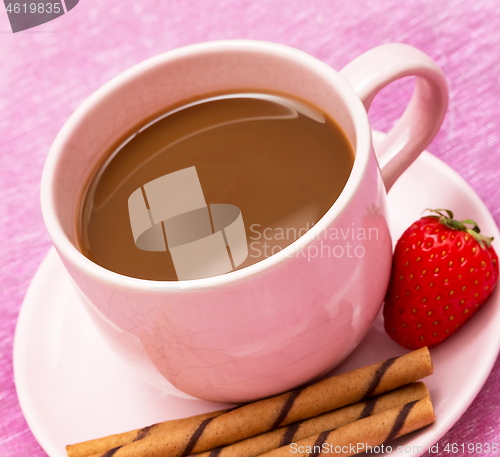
[418,125]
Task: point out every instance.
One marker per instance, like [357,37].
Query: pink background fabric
[46,72]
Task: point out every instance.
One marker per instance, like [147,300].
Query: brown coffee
[250,172]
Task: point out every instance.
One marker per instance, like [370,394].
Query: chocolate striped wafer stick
[260,444]
[101,445]
[357,436]
[271,413]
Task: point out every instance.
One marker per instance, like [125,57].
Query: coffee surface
[281,162]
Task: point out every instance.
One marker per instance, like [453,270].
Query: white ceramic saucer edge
[21,343]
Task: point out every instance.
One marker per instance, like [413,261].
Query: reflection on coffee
[213,186]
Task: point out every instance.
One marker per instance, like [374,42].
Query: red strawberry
[443,270]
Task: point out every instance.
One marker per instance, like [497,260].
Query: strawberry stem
[469,226]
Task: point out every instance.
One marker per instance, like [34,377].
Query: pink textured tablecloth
[46,72]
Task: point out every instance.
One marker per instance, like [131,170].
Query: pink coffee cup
[289,318]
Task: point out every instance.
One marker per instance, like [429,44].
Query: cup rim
[69,252]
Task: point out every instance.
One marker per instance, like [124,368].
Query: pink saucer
[72,387]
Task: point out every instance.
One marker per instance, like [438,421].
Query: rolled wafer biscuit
[357,436]
[260,444]
[271,413]
[101,445]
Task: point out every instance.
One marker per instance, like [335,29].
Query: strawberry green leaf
[473,223]
[469,226]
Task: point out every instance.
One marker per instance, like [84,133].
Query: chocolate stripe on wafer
[318,443]
[198,432]
[286,407]
[368,409]
[112,452]
[143,432]
[377,377]
[400,420]
[195,437]
[290,433]
[215,452]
